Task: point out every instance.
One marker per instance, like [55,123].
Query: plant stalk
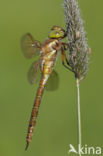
[79,116]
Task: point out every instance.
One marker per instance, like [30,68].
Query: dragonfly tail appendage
[35,109]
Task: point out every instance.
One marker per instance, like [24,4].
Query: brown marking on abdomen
[46,71]
[34,113]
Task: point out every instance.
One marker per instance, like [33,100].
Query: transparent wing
[34,72]
[30,47]
[53,81]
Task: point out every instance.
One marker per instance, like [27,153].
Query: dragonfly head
[57,33]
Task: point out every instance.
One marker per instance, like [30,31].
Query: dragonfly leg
[64,58]
[67,67]
[65,45]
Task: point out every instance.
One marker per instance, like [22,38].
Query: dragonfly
[48,52]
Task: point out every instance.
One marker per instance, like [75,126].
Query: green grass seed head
[78,47]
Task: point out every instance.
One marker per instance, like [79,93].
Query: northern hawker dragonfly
[48,52]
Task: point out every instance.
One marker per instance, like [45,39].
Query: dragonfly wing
[30,47]
[53,81]
[34,72]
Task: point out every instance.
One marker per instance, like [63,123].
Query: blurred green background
[56,126]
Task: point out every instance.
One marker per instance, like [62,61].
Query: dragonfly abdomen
[35,109]
[47,65]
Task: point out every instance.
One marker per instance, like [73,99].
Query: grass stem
[79,115]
